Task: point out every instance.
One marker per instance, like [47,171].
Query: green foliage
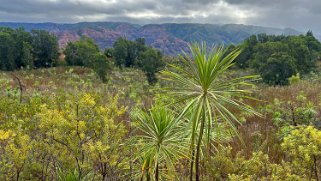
[66,132]
[100,66]
[15,148]
[26,55]
[21,49]
[255,168]
[278,69]
[150,62]
[136,54]
[277,58]
[226,166]
[247,49]
[296,112]
[109,52]
[6,51]
[125,52]
[76,129]
[303,146]
[45,48]
[160,142]
[294,79]
[47,158]
[86,53]
[81,52]
[197,84]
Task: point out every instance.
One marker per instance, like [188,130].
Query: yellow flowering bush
[60,135]
[303,147]
[14,150]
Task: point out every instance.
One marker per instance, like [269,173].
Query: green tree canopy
[151,62]
[259,51]
[7,51]
[85,52]
[128,53]
[278,68]
[20,49]
[45,48]
[81,52]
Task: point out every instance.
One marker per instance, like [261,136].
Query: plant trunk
[18,175]
[157,173]
[104,177]
[192,164]
[199,142]
[147,176]
[315,168]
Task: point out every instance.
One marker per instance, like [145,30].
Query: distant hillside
[170,38]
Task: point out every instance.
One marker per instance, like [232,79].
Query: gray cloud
[302,15]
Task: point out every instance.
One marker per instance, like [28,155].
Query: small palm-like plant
[199,87]
[160,141]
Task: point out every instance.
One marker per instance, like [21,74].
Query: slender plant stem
[199,141]
[192,164]
[157,173]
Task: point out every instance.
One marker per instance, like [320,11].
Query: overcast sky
[299,14]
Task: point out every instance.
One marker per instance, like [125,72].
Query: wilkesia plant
[199,87]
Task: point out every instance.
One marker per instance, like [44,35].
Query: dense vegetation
[85,52]
[136,54]
[21,49]
[277,58]
[206,119]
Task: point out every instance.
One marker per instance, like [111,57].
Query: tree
[100,66]
[109,52]
[150,61]
[247,52]
[277,69]
[81,52]
[260,51]
[23,47]
[26,55]
[126,52]
[135,48]
[45,48]
[197,83]
[85,52]
[120,53]
[7,52]
[300,51]
[136,54]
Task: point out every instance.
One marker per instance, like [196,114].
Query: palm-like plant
[198,86]
[160,141]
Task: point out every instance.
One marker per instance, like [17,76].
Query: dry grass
[257,133]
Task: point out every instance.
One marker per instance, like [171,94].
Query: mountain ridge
[170,38]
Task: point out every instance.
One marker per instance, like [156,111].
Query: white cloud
[298,14]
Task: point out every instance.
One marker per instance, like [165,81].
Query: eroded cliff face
[155,36]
